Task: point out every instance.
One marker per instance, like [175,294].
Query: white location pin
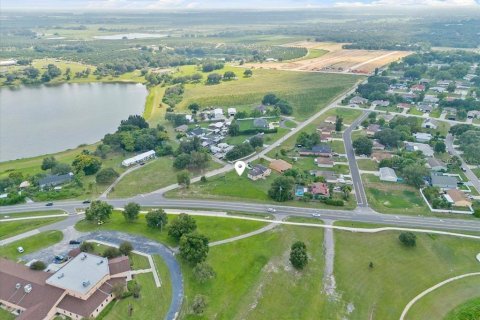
[240,167]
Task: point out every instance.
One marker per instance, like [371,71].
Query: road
[355,173]
[468,172]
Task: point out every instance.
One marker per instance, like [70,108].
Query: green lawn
[12,228]
[31,244]
[261,284]
[393,197]
[399,273]
[31,214]
[5,315]
[439,303]
[367,164]
[154,175]
[415,112]
[137,262]
[214,228]
[476,171]
[307,92]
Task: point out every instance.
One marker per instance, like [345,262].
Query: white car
[272,210]
[20,250]
[316,215]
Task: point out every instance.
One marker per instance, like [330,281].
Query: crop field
[337,59]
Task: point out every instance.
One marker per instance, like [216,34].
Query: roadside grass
[31,214]
[476,171]
[261,283]
[304,219]
[450,302]
[307,92]
[12,228]
[399,273]
[393,198]
[337,146]
[154,175]
[367,164]
[230,186]
[213,228]
[30,244]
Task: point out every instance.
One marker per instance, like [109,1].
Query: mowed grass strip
[12,228]
[31,244]
[399,273]
[450,302]
[214,228]
[255,279]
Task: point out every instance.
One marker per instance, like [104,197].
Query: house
[324,162]
[443,83]
[457,198]
[380,103]
[326,128]
[260,123]
[319,189]
[189,118]
[422,137]
[217,113]
[372,129]
[436,165]
[139,158]
[259,172]
[406,106]
[25,184]
[473,114]
[322,150]
[377,145]
[358,100]
[415,146]
[442,181]
[418,87]
[388,174]
[379,156]
[438,89]
[80,289]
[55,180]
[409,97]
[430,99]
[326,137]
[197,132]
[386,116]
[280,165]
[425,108]
[263,109]
[330,176]
[182,129]
[231,112]
[429,124]
[331,119]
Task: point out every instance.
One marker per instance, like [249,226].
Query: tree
[157,219]
[409,239]
[451,87]
[388,137]
[256,141]
[234,129]
[48,163]
[346,189]
[239,151]
[135,120]
[118,289]
[61,168]
[193,247]
[86,163]
[87,247]
[248,73]
[338,124]
[214,78]
[440,147]
[199,304]
[194,107]
[183,178]
[229,75]
[363,145]
[270,99]
[203,272]
[181,225]
[181,161]
[98,211]
[282,189]
[199,160]
[125,248]
[131,211]
[106,176]
[284,107]
[38,265]
[111,252]
[298,255]
[414,174]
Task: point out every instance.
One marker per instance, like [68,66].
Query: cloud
[411,3]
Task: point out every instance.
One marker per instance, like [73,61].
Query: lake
[131,36]
[48,119]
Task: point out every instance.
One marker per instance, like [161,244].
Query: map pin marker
[240,167]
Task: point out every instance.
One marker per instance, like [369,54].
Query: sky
[227,4]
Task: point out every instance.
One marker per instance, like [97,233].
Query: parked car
[464,169]
[86,202]
[20,250]
[59,259]
[74,242]
[272,210]
[49,204]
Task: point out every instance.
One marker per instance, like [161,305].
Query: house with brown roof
[379,156]
[326,128]
[324,162]
[280,165]
[457,198]
[82,288]
[331,119]
[372,129]
[319,189]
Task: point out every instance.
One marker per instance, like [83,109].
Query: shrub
[409,239]
[106,176]
[38,265]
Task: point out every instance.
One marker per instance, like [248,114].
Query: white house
[388,174]
[429,124]
[422,137]
[138,158]
[232,112]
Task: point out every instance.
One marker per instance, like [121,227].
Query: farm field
[399,273]
[336,60]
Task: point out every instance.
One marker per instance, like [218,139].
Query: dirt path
[329,286]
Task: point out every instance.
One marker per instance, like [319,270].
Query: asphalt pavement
[468,172]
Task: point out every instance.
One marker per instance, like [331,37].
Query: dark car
[49,204]
[86,202]
[59,259]
[74,242]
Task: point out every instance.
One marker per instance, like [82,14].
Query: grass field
[367,164]
[154,175]
[137,262]
[12,228]
[399,273]
[439,303]
[393,198]
[31,244]
[5,315]
[214,228]
[261,283]
[307,92]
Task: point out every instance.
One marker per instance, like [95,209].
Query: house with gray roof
[436,164]
[55,180]
[443,182]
